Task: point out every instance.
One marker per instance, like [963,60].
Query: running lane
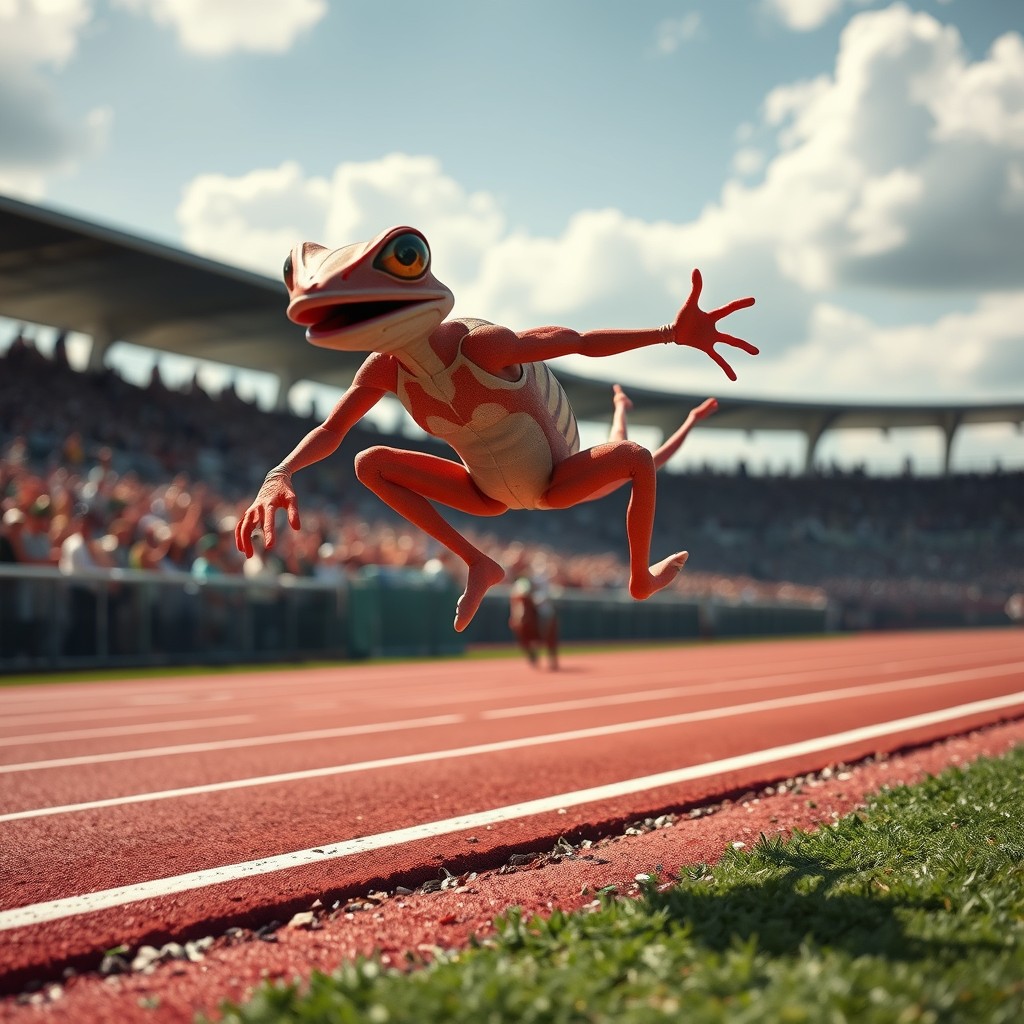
[145,809]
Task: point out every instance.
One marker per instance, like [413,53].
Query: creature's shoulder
[447,340]
[461,327]
[477,340]
[379,370]
[472,323]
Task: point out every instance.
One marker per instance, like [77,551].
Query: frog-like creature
[482,388]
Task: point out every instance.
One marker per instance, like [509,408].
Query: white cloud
[216,27]
[253,221]
[875,222]
[673,32]
[41,31]
[37,38]
[748,161]
[397,189]
[897,170]
[803,15]
[869,190]
[983,101]
[959,355]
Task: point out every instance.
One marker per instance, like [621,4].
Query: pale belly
[508,455]
[509,434]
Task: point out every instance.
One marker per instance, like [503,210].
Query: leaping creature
[483,389]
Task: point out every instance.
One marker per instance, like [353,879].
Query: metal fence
[124,617]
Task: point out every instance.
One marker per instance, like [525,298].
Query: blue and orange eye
[405,256]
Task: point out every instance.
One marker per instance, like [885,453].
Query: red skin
[623,404]
[467,380]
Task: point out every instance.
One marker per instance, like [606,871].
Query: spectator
[216,553]
[880,545]
[80,555]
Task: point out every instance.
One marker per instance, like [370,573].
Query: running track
[147,809]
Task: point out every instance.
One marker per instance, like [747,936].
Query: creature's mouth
[334,318]
[362,321]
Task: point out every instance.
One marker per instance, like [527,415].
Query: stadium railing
[107,618]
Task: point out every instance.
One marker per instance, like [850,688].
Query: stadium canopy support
[814,433]
[101,340]
[950,425]
[285,380]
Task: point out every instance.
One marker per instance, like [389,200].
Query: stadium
[148,479]
[808,551]
[343,676]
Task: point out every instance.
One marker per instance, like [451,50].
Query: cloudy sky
[858,166]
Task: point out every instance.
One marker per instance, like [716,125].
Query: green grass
[911,911]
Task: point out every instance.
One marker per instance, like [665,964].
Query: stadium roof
[60,271]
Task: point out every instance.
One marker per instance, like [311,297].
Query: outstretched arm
[495,349]
[321,441]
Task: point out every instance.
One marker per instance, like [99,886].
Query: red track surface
[92,775]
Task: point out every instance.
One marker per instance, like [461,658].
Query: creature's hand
[697,328]
[275,493]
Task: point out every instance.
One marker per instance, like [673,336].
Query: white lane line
[498,746]
[753,683]
[188,689]
[304,702]
[72,906]
[125,730]
[247,741]
[611,699]
[54,717]
[713,681]
[256,684]
[367,692]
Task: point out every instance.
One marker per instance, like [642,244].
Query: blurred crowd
[99,472]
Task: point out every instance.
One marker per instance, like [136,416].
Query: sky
[857,166]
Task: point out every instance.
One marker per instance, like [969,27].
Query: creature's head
[368,297]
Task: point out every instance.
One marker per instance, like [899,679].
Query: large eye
[406,256]
[288,270]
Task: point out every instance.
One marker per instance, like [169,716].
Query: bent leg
[618,432]
[618,429]
[673,444]
[596,470]
[622,404]
[408,482]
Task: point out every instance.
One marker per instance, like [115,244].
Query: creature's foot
[482,576]
[620,398]
[658,576]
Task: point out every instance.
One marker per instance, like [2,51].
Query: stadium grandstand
[61,271]
[119,499]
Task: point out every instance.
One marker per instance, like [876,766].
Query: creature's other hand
[698,328]
[275,493]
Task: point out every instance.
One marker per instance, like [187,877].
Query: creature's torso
[509,434]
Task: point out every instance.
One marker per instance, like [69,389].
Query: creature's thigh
[581,476]
[450,483]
